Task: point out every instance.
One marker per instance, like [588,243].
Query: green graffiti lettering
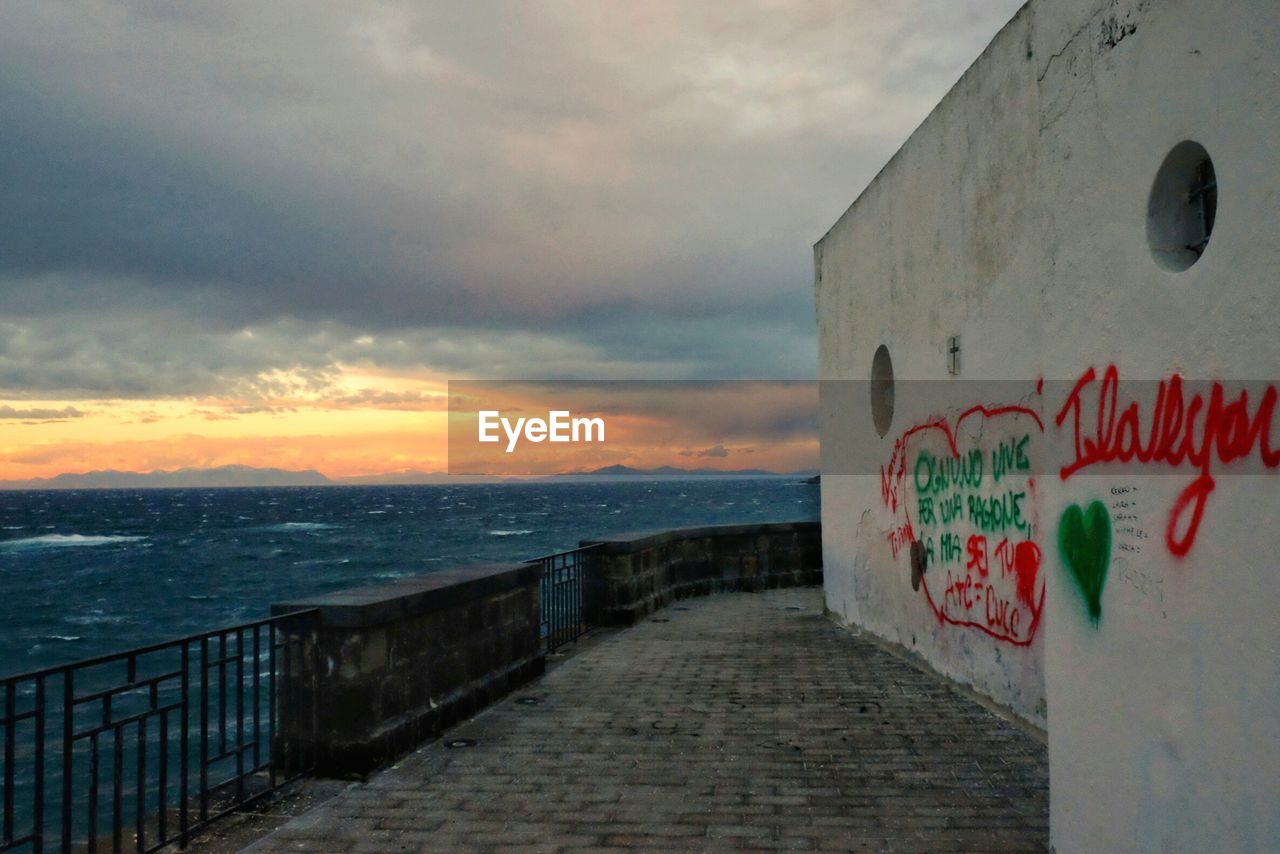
[925,460]
[926,510]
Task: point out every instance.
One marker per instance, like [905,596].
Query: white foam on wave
[294,527]
[55,541]
[520,533]
[95,618]
[323,561]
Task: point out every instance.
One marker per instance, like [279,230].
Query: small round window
[1182,206]
[882,390]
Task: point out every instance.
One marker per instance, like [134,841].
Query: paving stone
[746,721]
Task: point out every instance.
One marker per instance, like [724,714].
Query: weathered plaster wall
[1016,218]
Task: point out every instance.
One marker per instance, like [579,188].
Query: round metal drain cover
[460,742]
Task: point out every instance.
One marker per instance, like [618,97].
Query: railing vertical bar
[222,692]
[91,834]
[286,684]
[549,602]
[141,811]
[257,698]
[204,729]
[117,789]
[162,782]
[184,737]
[239,715]
[313,689]
[566,603]
[556,607]
[544,614]
[37,796]
[68,714]
[271,703]
[10,725]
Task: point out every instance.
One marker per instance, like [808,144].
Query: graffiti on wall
[1179,430]
[965,505]
[964,500]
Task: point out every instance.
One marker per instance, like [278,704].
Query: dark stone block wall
[394,665]
[641,572]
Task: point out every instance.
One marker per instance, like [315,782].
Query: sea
[89,572]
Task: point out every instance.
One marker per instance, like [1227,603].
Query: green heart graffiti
[1084,538]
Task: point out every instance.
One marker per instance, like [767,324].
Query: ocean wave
[63,637]
[323,561]
[518,533]
[54,541]
[294,527]
[95,618]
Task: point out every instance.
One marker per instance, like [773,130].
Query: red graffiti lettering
[977,555]
[1193,431]
[900,538]
[1001,613]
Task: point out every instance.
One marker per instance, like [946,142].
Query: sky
[236,232]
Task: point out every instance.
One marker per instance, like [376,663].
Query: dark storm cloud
[197,193]
[717,450]
[41,414]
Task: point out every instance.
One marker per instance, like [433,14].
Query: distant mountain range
[672,471]
[220,476]
[232,476]
[189,477]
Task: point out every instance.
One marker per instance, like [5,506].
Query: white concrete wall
[1015,217]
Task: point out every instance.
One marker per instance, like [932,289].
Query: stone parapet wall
[644,571]
[399,663]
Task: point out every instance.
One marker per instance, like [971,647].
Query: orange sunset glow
[363,423]
[360,424]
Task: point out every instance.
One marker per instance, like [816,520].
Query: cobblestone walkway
[732,722]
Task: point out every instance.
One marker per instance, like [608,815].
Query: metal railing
[567,603]
[141,749]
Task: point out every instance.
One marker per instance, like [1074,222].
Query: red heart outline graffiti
[1022,558]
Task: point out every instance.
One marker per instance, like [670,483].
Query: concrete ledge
[393,665]
[633,541]
[643,571]
[398,600]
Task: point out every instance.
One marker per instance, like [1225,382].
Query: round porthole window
[1182,207]
[882,390]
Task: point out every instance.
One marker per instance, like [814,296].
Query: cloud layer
[203,195]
